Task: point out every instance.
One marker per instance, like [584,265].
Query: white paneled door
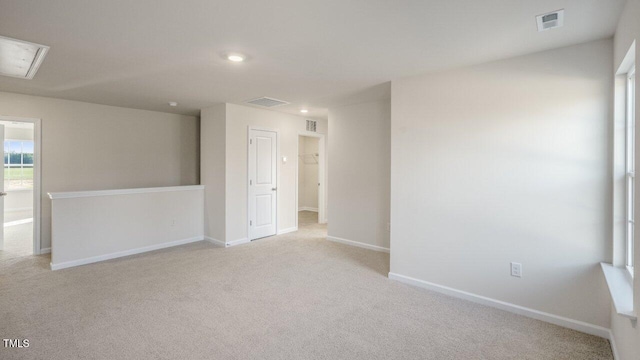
[263,188]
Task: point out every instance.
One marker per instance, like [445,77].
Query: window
[18,164]
[630,166]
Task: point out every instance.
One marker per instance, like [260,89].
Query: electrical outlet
[516,269]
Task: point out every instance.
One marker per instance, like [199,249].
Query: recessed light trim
[304,111]
[173,103]
[20,59]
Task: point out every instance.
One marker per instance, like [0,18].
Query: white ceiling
[145,53]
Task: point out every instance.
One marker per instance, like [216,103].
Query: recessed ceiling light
[304,111]
[173,104]
[19,58]
[235,57]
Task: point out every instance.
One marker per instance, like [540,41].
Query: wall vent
[550,20]
[311,125]
[20,59]
[267,102]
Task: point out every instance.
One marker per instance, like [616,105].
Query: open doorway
[310,199]
[19,189]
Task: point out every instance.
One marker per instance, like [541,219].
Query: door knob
[3,193]
[274,189]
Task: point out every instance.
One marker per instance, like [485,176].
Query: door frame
[322,189]
[249,128]
[37,179]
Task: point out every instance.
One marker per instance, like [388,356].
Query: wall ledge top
[80,194]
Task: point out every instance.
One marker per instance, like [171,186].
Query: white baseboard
[358,244]
[238,242]
[215,241]
[288,230]
[516,309]
[307,208]
[45,251]
[93,259]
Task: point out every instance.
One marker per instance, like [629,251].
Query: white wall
[237,119]
[359,173]
[92,147]
[507,161]
[18,200]
[212,169]
[12,133]
[308,173]
[626,333]
[95,226]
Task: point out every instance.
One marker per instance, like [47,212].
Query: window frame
[630,169]
[22,164]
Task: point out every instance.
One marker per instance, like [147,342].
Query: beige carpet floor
[294,296]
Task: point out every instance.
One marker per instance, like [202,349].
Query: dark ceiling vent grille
[311,125]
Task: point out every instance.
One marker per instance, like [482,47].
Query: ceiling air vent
[550,20]
[20,59]
[267,102]
[311,125]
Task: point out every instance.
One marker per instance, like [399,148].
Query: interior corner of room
[329,180]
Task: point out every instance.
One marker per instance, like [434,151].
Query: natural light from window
[18,165]
[630,167]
